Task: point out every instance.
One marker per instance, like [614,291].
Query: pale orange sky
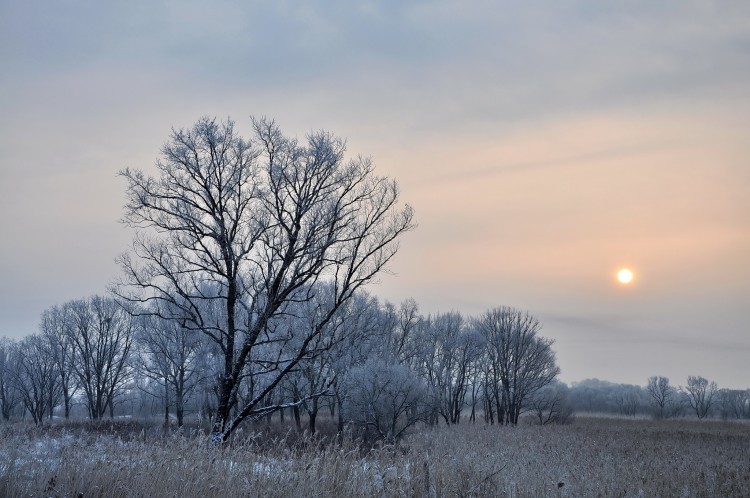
[543,146]
[564,207]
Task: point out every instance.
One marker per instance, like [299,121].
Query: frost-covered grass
[593,457]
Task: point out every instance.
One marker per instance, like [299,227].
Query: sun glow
[625,276]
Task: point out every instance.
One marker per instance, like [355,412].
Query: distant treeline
[659,399]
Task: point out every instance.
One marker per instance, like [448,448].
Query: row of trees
[244,289]
[83,346]
[699,395]
[660,399]
[381,367]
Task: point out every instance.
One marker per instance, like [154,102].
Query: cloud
[592,156]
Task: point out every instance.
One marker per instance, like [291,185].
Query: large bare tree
[261,221]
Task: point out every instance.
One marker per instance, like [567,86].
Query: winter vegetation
[375,367]
[242,326]
[593,457]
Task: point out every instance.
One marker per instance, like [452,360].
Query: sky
[542,144]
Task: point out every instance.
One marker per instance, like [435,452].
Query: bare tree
[476,373]
[386,397]
[168,354]
[314,372]
[359,329]
[447,352]
[467,351]
[9,396]
[734,403]
[209,363]
[550,405]
[317,374]
[262,221]
[663,396]
[628,399]
[102,335]
[520,361]
[56,326]
[36,377]
[406,321]
[490,392]
[368,328]
[700,394]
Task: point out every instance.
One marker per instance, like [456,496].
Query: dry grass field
[593,457]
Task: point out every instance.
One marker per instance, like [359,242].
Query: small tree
[550,405]
[628,399]
[663,397]
[367,336]
[733,403]
[168,354]
[386,398]
[36,377]
[9,395]
[701,395]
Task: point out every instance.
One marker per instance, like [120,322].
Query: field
[592,457]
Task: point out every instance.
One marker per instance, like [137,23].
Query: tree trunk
[297,420]
[340,425]
[180,410]
[228,380]
[166,403]
[311,423]
[499,402]
[179,397]
[490,410]
[66,403]
[313,413]
[51,406]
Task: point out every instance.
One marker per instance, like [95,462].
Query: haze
[542,145]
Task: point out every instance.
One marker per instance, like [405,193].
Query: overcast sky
[542,144]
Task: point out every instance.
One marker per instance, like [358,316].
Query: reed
[593,457]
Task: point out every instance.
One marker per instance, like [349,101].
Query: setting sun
[625,276]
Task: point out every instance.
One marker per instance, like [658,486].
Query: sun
[625,276]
